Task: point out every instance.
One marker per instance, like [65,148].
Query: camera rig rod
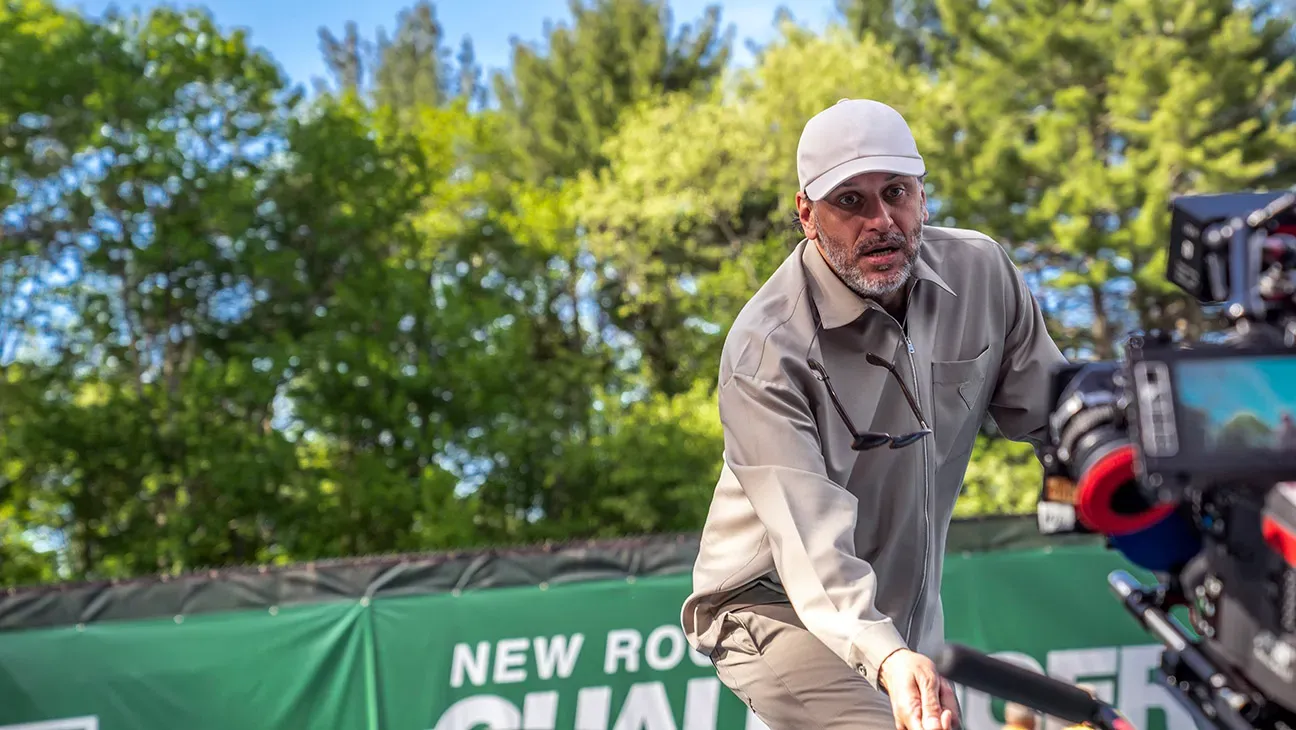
[1188,673]
[971,668]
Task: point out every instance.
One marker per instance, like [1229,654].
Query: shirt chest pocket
[957,390]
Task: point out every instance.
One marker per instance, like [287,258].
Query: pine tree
[1067,127]
[914,27]
[469,80]
[565,99]
[408,70]
[413,67]
[346,59]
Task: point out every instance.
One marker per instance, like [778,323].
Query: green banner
[304,667]
[606,655]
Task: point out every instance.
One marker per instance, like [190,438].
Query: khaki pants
[789,679]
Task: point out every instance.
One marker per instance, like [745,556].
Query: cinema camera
[1184,456]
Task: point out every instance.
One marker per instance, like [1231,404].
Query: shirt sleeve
[773,448]
[1020,404]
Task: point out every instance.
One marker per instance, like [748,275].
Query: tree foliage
[238,324]
[566,97]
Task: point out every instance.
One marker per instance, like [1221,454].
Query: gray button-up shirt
[856,540]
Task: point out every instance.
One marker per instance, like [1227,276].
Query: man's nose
[875,216]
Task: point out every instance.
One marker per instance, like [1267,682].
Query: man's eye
[848,200]
[895,192]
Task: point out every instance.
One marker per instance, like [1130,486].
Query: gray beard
[843,262]
[875,287]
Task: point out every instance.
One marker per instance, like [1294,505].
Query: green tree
[375,376]
[179,299]
[348,60]
[564,99]
[915,27]
[1069,126]
[295,330]
[1002,477]
[414,67]
[130,271]
[407,71]
[545,468]
[654,462]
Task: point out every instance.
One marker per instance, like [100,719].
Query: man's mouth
[881,254]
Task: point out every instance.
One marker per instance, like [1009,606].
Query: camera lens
[1095,450]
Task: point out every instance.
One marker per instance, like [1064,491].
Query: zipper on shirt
[922,587]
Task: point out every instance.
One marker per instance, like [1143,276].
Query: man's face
[869,228]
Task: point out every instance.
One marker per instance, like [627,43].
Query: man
[818,579]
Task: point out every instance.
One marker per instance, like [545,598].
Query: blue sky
[1264,387]
[289,28]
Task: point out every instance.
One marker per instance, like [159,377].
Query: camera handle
[969,667]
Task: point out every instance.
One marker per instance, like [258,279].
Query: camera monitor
[1214,414]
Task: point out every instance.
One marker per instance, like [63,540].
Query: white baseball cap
[852,137]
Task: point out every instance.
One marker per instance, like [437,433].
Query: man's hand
[920,698]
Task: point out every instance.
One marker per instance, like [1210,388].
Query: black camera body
[1184,456]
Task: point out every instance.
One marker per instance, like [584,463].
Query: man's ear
[805,212]
[922,200]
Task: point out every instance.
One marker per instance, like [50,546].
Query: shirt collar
[838,305]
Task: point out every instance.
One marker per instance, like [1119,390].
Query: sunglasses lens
[899,442]
[866,441]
